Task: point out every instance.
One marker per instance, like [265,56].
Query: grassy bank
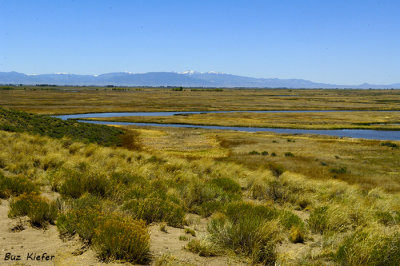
[317,120]
[109,197]
[368,163]
[17,121]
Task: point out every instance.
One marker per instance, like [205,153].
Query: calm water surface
[352,133]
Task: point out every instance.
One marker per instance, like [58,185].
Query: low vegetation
[257,207]
[38,209]
[298,120]
[16,121]
[61,100]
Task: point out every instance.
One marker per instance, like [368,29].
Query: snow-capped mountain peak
[190,72]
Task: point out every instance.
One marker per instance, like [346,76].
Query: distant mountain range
[185,79]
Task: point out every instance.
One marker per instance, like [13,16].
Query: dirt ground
[20,244]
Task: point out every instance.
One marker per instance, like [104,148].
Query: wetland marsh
[193,196]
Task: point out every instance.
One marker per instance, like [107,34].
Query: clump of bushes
[155,209]
[289,154]
[248,229]
[370,246]
[254,153]
[205,198]
[324,219]
[339,170]
[152,201]
[82,217]
[264,153]
[227,184]
[269,190]
[16,185]
[387,218]
[122,239]
[18,121]
[39,210]
[389,144]
[77,183]
[112,235]
[202,248]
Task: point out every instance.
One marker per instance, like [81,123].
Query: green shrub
[122,239]
[15,186]
[82,217]
[66,223]
[202,248]
[389,144]
[333,218]
[386,218]
[272,190]
[17,121]
[112,236]
[137,192]
[264,153]
[370,246]
[289,154]
[227,184]
[254,153]
[155,159]
[276,191]
[127,178]
[154,209]
[206,198]
[290,220]
[339,170]
[38,209]
[248,229]
[207,208]
[77,183]
[318,220]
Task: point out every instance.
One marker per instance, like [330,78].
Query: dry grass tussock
[109,196]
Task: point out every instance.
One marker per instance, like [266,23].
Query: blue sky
[333,41]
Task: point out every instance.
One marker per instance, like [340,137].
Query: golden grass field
[83,100]
[185,196]
[367,162]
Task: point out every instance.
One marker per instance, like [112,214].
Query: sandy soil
[19,238]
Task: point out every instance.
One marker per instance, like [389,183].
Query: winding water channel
[352,133]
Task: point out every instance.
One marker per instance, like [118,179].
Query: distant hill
[185,79]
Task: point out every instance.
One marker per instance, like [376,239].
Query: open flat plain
[192,196]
